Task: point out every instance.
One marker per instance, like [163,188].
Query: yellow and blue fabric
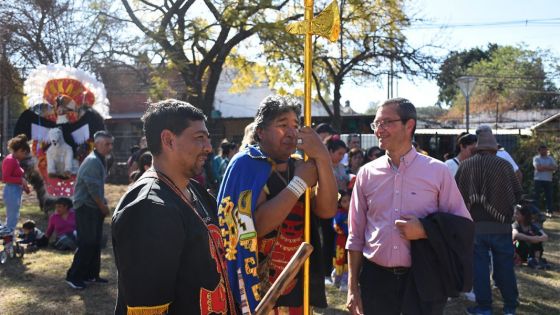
[244,179]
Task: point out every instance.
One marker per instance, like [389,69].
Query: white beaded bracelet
[297,186]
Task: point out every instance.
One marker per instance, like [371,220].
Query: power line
[526,22]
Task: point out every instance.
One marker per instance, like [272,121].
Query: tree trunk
[336,119]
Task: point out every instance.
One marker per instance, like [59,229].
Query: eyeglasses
[382,124]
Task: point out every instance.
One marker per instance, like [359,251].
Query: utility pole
[497,112]
[466,84]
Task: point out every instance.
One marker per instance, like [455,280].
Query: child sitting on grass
[32,236]
[63,223]
[528,239]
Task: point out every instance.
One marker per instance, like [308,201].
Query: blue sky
[534,34]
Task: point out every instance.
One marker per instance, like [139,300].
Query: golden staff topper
[325,24]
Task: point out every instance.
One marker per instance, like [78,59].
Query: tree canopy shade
[78,33]
[514,77]
[196,37]
[372,44]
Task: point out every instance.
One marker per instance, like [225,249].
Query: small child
[528,239]
[63,223]
[32,236]
[340,225]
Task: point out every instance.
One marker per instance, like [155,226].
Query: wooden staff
[284,279]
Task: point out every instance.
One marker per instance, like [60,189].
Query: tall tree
[78,33]
[196,37]
[454,66]
[514,77]
[372,44]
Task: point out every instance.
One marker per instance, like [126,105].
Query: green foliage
[198,38]
[512,76]
[456,65]
[371,37]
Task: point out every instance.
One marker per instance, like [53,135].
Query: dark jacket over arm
[442,263]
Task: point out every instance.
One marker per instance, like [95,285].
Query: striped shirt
[489,187]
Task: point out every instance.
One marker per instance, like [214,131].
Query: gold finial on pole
[326,24]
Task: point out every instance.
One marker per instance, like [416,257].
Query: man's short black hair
[170,114]
[273,106]
[101,134]
[464,139]
[64,201]
[405,109]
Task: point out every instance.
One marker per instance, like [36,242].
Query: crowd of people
[221,226]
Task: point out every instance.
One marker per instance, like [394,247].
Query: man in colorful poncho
[261,206]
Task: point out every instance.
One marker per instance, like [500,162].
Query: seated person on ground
[63,223]
[528,239]
[32,236]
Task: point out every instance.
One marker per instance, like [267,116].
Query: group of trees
[513,77]
[199,39]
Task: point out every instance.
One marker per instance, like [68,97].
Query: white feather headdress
[47,80]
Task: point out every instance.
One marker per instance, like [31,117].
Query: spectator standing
[545,166]
[352,141]
[261,207]
[491,190]
[340,225]
[133,159]
[502,153]
[337,149]
[373,153]
[396,200]
[355,160]
[324,130]
[466,143]
[166,239]
[91,209]
[144,163]
[12,176]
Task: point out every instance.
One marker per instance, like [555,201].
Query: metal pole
[467,114]
[497,117]
[308,62]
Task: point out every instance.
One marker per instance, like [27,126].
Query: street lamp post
[466,84]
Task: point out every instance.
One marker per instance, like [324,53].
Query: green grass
[35,284]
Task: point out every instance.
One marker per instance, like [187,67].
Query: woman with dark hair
[355,160]
[12,176]
[144,163]
[373,153]
[337,148]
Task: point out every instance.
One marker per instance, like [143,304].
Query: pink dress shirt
[382,194]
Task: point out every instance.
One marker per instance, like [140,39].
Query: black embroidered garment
[169,256]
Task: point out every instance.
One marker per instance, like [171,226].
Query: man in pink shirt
[390,195]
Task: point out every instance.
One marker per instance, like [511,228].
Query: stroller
[10,248]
